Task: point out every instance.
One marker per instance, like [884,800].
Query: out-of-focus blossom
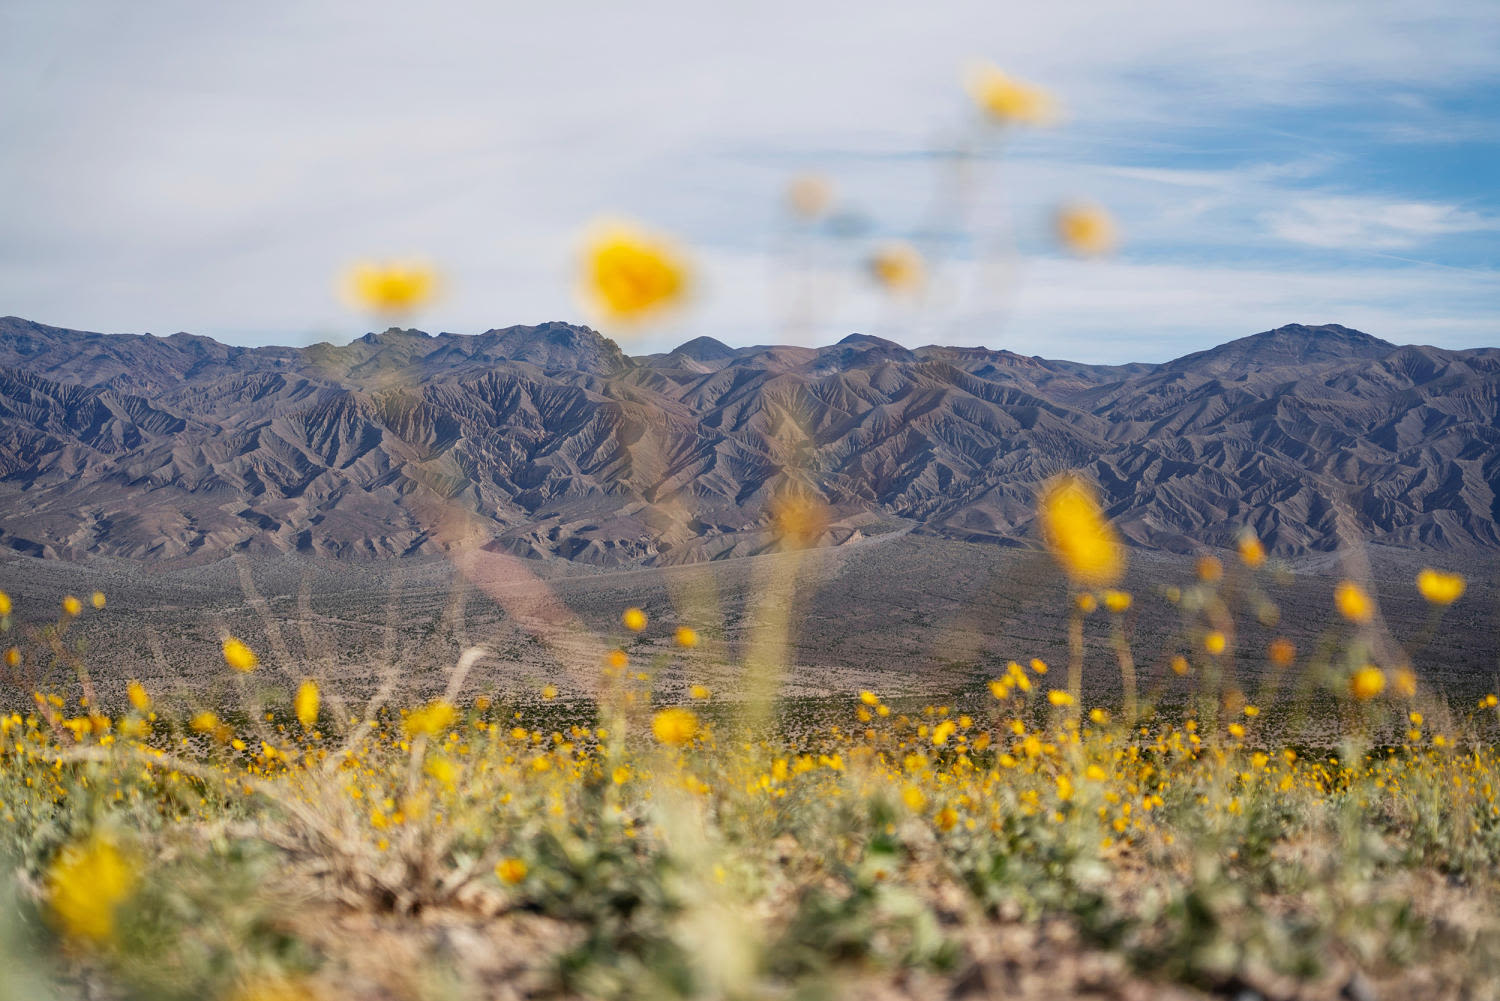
[1078,535]
[898,268]
[675,727]
[1367,683]
[798,519]
[631,274]
[1440,588]
[306,703]
[1252,552]
[86,883]
[239,656]
[391,287]
[809,195]
[1353,603]
[1086,229]
[634,619]
[1008,101]
[71,606]
[687,637]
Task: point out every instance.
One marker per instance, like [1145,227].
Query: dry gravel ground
[903,614]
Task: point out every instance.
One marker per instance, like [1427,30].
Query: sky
[216,167]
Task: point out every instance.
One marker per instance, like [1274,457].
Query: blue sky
[212,168]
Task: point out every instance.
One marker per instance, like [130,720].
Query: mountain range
[549,441]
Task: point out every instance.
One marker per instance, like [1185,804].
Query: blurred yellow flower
[617,659]
[1282,651]
[897,267]
[71,605]
[942,732]
[946,818]
[634,619]
[1353,603]
[1007,100]
[1215,642]
[809,195]
[432,719]
[238,656]
[1404,681]
[136,693]
[391,287]
[4,603]
[1367,683]
[12,657]
[204,722]
[549,691]
[675,726]
[511,870]
[699,692]
[869,698]
[798,519]
[687,637]
[1086,230]
[1440,588]
[1117,601]
[1058,697]
[914,798]
[630,274]
[98,599]
[1076,532]
[1210,568]
[86,883]
[306,703]
[1252,552]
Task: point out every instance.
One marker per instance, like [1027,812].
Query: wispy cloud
[1353,222]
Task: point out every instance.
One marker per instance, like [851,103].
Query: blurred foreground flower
[1440,588]
[898,267]
[391,287]
[809,195]
[630,274]
[1086,230]
[798,520]
[675,727]
[71,606]
[1367,683]
[1353,603]
[633,619]
[1006,100]
[306,704]
[1077,534]
[86,883]
[238,656]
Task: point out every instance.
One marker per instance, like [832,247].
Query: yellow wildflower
[391,287]
[617,660]
[1117,601]
[634,619]
[238,656]
[1210,568]
[687,637]
[914,798]
[306,703]
[942,732]
[1404,682]
[675,726]
[1353,603]
[1086,229]
[1215,642]
[1006,100]
[1282,651]
[809,195]
[630,274]
[136,693]
[97,599]
[434,718]
[946,818]
[1367,682]
[1058,697]
[869,698]
[1252,552]
[71,605]
[1440,588]
[1077,533]
[699,692]
[898,267]
[86,883]
[204,722]
[549,692]
[5,605]
[511,870]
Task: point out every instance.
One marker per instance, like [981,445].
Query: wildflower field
[1023,840]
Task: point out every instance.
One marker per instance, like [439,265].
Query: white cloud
[1363,222]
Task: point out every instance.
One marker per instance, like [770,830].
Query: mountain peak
[704,349]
